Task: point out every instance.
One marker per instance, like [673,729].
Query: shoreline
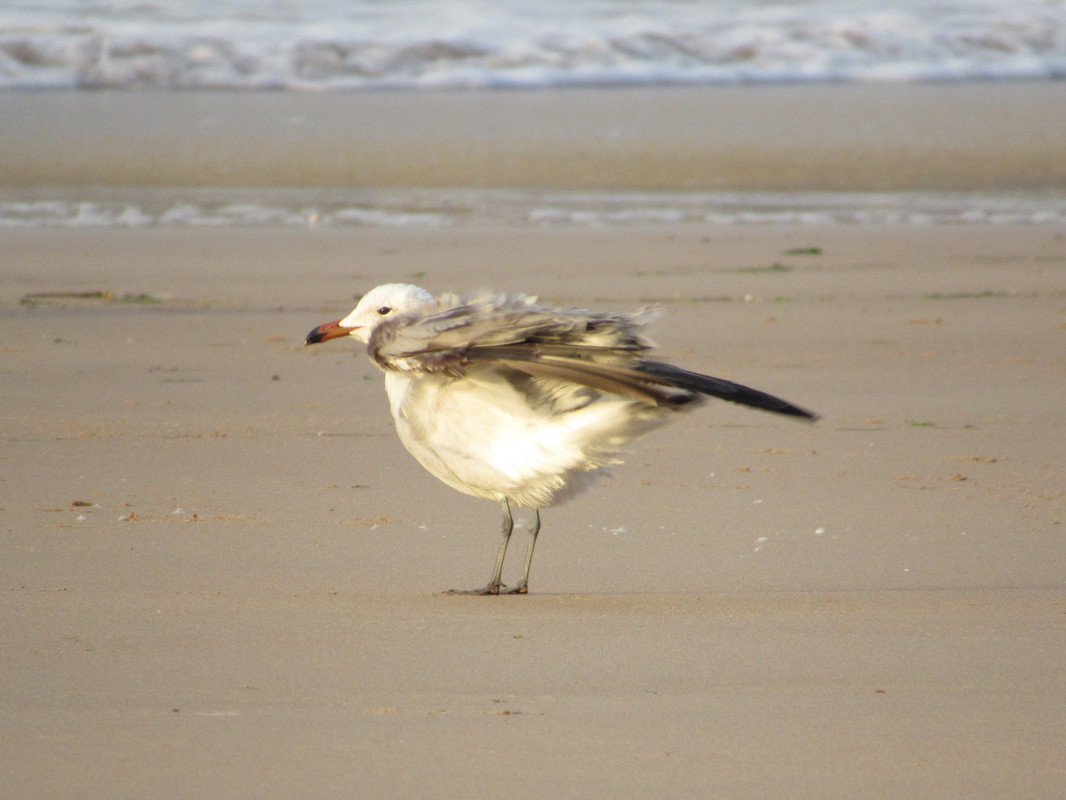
[885,137]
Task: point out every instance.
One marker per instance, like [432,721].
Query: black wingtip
[753,398]
[725,390]
[795,411]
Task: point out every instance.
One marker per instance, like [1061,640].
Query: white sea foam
[432,208]
[355,44]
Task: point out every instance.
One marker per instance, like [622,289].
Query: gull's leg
[534,528]
[493,586]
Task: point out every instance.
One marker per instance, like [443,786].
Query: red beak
[330,330]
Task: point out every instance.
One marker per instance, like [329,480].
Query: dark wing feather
[723,389]
[650,381]
[602,378]
[597,350]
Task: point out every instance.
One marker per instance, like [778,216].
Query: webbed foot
[493,588]
[488,589]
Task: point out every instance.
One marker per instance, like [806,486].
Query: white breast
[480,435]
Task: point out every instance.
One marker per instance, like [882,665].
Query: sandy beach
[221,570]
[942,137]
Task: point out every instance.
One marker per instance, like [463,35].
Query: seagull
[509,400]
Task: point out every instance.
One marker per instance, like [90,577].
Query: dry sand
[219,566]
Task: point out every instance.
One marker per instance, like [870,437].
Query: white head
[376,306]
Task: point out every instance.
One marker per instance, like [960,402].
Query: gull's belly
[482,437]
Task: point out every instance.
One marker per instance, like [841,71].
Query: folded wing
[601,351]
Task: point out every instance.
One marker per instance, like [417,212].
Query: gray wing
[558,349]
[447,341]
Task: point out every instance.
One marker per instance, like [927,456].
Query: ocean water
[417,44]
[334,46]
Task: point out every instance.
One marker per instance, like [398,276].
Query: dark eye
[384,310]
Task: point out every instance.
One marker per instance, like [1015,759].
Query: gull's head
[379,305]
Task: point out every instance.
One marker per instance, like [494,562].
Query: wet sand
[943,137]
[220,568]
